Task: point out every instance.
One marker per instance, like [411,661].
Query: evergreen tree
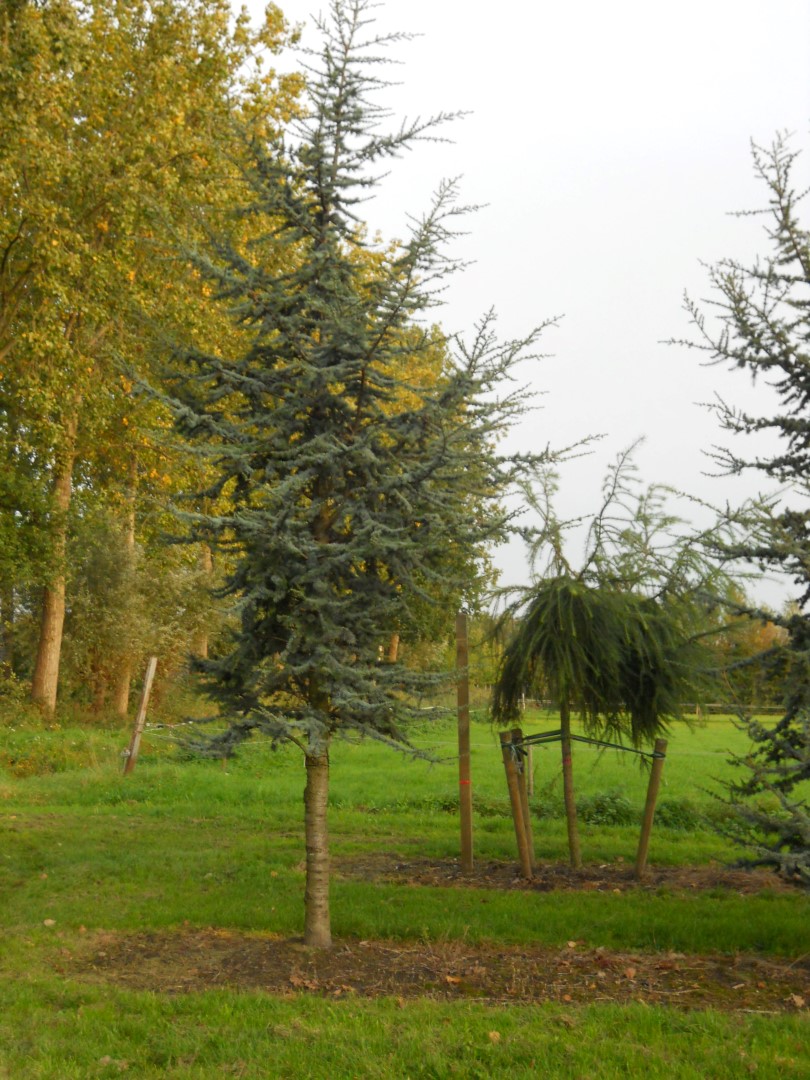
[764,329]
[348,478]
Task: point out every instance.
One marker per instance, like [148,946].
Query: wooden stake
[513,783]
[464,777]
[649,806]
[530,770]
[140,719]
[521,766]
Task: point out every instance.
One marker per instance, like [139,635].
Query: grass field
[181,845]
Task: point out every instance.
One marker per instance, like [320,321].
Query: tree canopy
[762,327]
[347,472]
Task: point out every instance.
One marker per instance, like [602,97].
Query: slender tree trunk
[7,631]
[99,684]
[317,927]
[124,677]
[46,668]
[568,786]
[393,648]
[206,563]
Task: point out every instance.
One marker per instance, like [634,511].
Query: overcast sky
[609,142]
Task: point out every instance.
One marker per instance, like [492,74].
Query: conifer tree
[348,479]
[618,641]
[764,329]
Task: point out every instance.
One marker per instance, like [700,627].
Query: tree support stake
[659,756]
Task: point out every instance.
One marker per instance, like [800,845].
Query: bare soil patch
[605,877]
[185,961]
[193,960]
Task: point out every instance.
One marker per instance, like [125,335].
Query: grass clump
[679,814]
[607,808]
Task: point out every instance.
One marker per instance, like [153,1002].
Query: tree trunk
[568,786]
[98,684]
[124,678]
[7,631]
[393,648]
[206,563]
[46,668]
[317,928]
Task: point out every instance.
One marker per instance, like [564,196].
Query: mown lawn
[183,844]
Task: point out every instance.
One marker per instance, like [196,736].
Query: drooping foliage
[620,658]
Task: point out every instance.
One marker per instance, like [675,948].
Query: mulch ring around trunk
[194,960]
[605,877]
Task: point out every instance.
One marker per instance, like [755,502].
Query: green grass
[192,843]
[49,1029]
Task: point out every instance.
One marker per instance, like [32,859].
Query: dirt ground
[606,877]
[190,960]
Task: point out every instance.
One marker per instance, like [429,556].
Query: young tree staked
[619,641]
[347,478]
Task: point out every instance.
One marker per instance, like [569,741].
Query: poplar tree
[346,476]
[108,115]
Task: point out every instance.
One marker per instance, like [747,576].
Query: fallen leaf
[49,922]
[797,1000]
[572,944]
[494,1036]
[630,973]
[454,980]
[567,1021]
[567,997]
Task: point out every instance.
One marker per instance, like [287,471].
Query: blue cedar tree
[764,329]
[348,479]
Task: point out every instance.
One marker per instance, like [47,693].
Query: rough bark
[574,855]
[317,927]
[45,679]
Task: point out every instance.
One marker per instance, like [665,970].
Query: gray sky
[609,143]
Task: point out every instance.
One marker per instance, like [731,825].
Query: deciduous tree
[112,117]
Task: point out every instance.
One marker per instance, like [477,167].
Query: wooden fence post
[140,719]
[521,764]
[653,785]
[464,776]
[513,783]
